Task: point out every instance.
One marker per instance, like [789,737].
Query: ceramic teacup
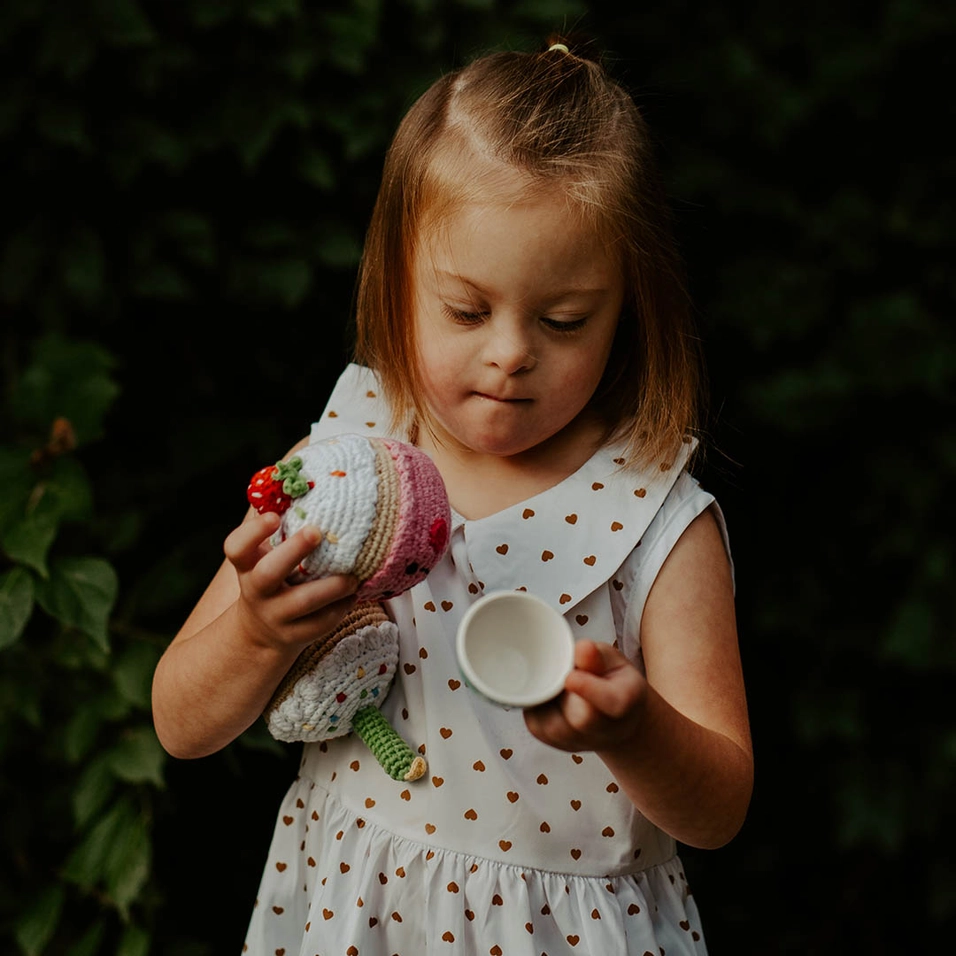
[514,649]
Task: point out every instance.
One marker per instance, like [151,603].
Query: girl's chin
[484,444]
[509,438]
[492,448]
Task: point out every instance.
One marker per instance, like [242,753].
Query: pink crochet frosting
[380,504]
[424,517]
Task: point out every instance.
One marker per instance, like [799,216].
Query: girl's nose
[509,350]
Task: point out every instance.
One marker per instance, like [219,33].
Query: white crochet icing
[342,505]
[354,670]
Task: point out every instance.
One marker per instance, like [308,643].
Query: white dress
[506,846]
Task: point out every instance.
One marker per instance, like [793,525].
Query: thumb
[601,676]
[597,657]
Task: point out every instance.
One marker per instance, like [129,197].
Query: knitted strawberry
[272,488]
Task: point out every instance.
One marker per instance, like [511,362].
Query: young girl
[521,319]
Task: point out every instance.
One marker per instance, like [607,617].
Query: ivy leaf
[79,733]
[316,169]
[68,487]
[138,757]
[93,790]
[16,605]
[28,540]
[63,124]
[20,706]
[285,282]
[160,280]
[135,942]
[351,35]
[36,926]
[17,481]
[193,234]
[114,854]
[208,13]
[86,865]
[90,943]
[123,23]
[338,250]
[148,142]
[84,267]
[80,593]
[66,379]
[268,12]
[133,674]
[129,864]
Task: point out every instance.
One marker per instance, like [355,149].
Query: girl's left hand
[601,707]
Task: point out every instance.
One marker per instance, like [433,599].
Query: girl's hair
[558,118]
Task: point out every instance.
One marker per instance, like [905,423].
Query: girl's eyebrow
[561,294]
[457,277]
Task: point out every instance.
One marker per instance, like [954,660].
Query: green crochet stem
[388,748]
[293,484]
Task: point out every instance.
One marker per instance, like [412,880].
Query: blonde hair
[557,117]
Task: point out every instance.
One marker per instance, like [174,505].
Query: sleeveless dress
[507,846]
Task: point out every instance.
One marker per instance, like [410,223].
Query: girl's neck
[481,485]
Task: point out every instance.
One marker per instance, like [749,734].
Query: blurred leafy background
[184,193]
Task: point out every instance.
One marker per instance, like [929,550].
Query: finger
[588,657]
[567,723]
[243,545]
[598,657]
[611,695]
[588,660]
[578,711]
[272,570]
[547,723]
[320,621]
[304,600]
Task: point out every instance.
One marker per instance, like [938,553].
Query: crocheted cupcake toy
[384,515]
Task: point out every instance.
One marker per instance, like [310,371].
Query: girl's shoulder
[684,503]
[356,404]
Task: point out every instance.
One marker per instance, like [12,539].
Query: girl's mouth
[501,400]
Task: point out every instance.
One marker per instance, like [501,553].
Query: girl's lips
[504,401]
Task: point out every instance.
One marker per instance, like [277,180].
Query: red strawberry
[265,492]
[272,488]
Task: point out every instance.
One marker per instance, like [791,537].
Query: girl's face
[516,305]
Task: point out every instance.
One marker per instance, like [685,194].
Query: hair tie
[558,46]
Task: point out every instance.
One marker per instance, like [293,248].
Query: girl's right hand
[269,611]
[220,671]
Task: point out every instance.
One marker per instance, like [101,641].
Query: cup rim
[513,700]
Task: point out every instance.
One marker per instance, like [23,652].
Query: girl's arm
[220,671]
[677,742]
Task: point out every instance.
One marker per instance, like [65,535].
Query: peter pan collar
[567,541]
[561,544]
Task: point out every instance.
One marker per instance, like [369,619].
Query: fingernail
[311,534]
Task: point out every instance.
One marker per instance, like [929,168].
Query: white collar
[567,541]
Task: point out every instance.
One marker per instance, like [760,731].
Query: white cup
[515,649]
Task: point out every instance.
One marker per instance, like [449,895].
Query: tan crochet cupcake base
[362,615]
[378,542]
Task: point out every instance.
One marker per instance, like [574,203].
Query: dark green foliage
[185,188]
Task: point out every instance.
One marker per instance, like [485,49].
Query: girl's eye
[564,325]
[464,316]
[476,317]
